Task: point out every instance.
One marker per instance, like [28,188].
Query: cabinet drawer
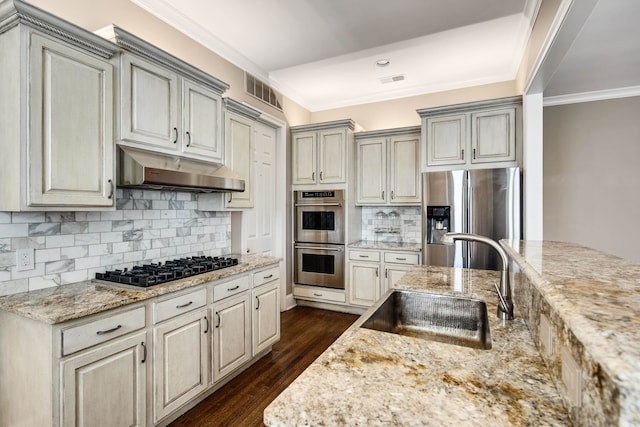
[319,294]
[230,288]
[164,310]
[83,336]
[373,256]
[401,258]
[266,276]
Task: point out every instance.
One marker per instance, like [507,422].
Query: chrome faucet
[505,306]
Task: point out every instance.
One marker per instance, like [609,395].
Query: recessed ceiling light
[383,62]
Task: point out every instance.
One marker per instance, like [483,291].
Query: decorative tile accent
[147,226]
[409,230]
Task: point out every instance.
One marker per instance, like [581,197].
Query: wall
[148,226]
[591,175]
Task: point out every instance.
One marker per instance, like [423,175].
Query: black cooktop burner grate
[154,274]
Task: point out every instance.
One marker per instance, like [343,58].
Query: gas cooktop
[155,274]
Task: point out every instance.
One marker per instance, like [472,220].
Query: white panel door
[106,386]
[71,118]
[260,221]
[180,362]
[202,127]
[371,172]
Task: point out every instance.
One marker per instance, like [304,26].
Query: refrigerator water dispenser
[438,222]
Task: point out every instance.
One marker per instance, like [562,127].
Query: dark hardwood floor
[305,334]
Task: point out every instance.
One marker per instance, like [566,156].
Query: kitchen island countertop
[375,378]
[76,300]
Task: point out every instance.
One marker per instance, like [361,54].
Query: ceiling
[323,53]
[605,54]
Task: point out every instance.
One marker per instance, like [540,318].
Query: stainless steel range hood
[146,169]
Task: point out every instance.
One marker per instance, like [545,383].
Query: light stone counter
[592,302]
[371,378]
[73,301]
[385,246]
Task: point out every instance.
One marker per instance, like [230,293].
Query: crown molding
[599,95]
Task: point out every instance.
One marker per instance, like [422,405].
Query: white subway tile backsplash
[14,230]
[410,229]
[149,226]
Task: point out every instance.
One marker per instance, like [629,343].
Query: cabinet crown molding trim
[237,107]
[384,133]
[323,126]
[146,50]
[15,12]
[469,106]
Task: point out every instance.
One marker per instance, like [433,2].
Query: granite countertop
[379,245]
[73,301]
[593,301]
[372,378]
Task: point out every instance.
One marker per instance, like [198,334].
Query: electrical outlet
[24,259]
[571,377]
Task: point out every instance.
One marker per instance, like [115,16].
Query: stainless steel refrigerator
[480,201]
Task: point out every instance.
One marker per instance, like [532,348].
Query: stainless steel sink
[453,320]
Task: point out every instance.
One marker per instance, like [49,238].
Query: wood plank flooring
[305,334]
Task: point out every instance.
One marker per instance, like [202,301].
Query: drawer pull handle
[315,294]
[401,259]
[144,352]
[184,305]
[206,329]
[234,288]
[268,277]
[219,320]
[109,330]
[175,131]
[258,302]
[377,272]
[363,256]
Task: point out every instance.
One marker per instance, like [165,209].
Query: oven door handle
[317,204]
[319,249]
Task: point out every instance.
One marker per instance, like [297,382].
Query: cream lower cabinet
[231,334]
[180,355]
[106,386]
[373,272]
[266,309]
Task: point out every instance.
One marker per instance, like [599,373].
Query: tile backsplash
[147,226]
[383,227]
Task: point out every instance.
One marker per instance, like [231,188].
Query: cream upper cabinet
[167,104]
[474,135]
[387,167]
[240,150]
[56,118]
[163,110]
[320,152]
[149,104]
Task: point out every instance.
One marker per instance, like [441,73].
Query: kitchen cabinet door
[202,122]
[446,140]
[404,170]
[493,136]
[393,273]
[371,171]
[149,104]
[106,386]
[304,158]
[364,283]
[266,316]
[180,361]
[231,334]
[239,138]
[71,144]
[332,151]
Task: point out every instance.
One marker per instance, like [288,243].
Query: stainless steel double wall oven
[319,238]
